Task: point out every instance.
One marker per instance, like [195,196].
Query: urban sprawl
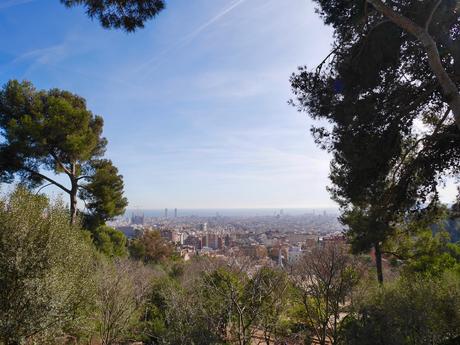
[268,240]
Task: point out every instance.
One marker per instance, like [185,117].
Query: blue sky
[195,105]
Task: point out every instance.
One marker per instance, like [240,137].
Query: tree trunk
[378,262]
[73,194]
[73,203]
[322,340]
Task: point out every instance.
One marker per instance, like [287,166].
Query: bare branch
[320,66]
[42,187]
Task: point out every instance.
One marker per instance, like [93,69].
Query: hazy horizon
[230,212]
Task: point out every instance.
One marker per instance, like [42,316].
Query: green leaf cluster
[46,266]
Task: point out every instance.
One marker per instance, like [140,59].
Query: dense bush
[110,241]
[46,269]
[54,284]
[412,310]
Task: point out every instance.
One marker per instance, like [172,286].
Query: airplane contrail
[190,36]
[11,3]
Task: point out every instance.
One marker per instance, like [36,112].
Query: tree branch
[430,16]
[320,66]
[401,21]
[58,161]
[42,187]
[396,255]
[57,184]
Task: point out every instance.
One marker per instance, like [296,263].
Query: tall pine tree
[53,131]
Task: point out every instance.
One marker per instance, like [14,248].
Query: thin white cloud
[11,3]
[155,61]
[43,55]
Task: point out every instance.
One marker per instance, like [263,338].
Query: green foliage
[421,245]
[427,253]
[104,191]
[54,131]
[122,290]
[176,314]
[417,310]
[46,266]
[111,242]
[213,304]
[275,297]
[239,305]
[136,249]
[126,14]
[366,228]
[41,124]
[151,247]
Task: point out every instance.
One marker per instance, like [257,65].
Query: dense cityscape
[269,240]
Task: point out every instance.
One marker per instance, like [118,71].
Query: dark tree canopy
[54,131]
[393,128]
[419,39]
[103,193]
[128,15]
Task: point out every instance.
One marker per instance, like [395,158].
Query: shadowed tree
[128,15]
[54,131]
[417,40]
[392,133]
[435,26]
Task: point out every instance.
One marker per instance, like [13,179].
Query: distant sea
[232,212]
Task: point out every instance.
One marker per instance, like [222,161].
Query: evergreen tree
[54,131]
[392,134]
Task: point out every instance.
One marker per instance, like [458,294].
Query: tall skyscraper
[166,213]
[175,213]
[137,219]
